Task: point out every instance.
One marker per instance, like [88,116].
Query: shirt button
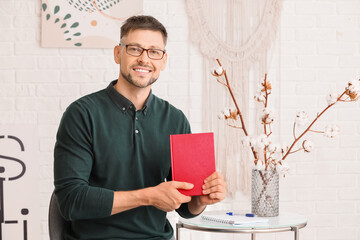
[136,131]
[136,118]
[130,107]
[123,109]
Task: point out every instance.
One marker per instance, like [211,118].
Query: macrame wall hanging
[239,33]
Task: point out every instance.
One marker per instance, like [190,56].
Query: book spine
[172,158]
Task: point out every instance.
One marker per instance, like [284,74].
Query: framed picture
[19,182]
[85,23]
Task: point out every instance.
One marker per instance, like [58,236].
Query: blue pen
[246,214]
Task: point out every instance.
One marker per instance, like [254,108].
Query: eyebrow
[151,47]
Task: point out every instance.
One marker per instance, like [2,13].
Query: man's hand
[166,196]
[214,190]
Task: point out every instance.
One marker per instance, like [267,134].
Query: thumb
[183,185]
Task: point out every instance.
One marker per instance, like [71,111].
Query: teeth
[141,70]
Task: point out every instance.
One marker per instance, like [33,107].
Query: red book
[192,159]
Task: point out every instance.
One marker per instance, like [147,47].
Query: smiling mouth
[141,70]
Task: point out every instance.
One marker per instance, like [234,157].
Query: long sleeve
[73,161]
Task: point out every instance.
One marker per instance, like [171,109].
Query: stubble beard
[138,84]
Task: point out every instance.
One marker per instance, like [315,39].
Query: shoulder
[85,109]
[88,103]
[162,105]
[171,115]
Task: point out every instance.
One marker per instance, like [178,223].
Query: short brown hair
[143,22]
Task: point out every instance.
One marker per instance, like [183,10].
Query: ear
[117,54]
[164,61]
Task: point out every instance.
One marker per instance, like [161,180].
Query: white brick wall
[320,51]
[320,48]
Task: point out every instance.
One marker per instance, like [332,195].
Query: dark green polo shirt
[103,145]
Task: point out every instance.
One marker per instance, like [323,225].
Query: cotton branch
[311,124]
[351,94]
[227,84]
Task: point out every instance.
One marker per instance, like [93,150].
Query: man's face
[140,71]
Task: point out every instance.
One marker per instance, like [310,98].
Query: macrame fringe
[239,33]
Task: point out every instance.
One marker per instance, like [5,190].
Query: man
[112,155]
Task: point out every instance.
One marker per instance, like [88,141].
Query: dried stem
[312,123]
[233,126]
[221,82]
[268,135]
[266,182]
[316,131]
[294,130]
[265,105]
[236,105]
[296,150]
[234,100]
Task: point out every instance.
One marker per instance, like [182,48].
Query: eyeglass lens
[137,51]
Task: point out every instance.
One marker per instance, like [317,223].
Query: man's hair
[142,22]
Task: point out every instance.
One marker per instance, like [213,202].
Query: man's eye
[134,49]
[154,52]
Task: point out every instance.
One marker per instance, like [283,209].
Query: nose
[144,58]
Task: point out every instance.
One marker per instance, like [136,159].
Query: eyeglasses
[136,51]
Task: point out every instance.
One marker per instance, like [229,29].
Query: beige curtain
[239,33]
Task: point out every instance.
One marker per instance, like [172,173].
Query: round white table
[282,223]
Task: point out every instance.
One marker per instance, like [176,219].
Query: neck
[136,95]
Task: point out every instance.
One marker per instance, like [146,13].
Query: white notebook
[233,220]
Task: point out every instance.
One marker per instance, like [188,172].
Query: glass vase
[265,193]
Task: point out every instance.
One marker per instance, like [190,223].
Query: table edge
[240,230]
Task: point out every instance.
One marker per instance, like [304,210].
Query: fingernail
[203,186]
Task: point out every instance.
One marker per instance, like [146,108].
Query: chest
[131,152]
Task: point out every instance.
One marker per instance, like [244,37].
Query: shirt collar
[122,102]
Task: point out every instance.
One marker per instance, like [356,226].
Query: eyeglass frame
[143,49]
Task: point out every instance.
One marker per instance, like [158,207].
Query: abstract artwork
[85,23]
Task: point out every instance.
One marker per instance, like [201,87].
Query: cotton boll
[245,141]
[219,70]
[267,116]
[353,89]
[331,130]
[221,116]
[308,145]
[301,118]
[332,98]
[253,141]
[259,145]
[226,112]
[260,96]
[282,168]
[271,147]
[260,166]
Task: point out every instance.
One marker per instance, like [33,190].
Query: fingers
[214,189]
[216,192]
[215,186]
[166,196]
[214,175]
[185,199]
[182,185]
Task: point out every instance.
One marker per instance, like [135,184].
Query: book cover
[192,159]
